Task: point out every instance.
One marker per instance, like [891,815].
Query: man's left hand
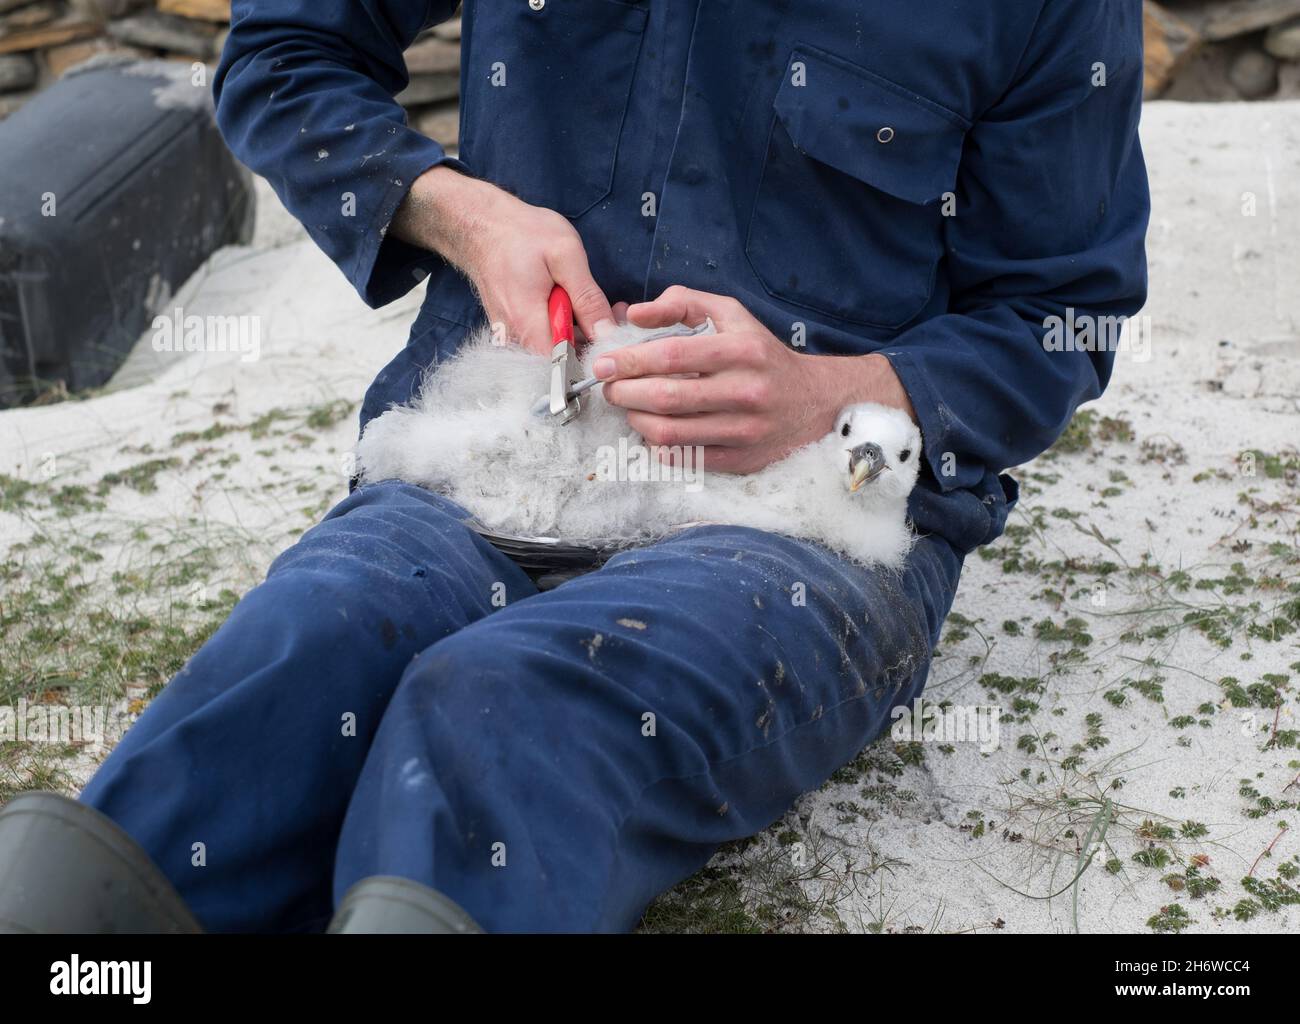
[741,394]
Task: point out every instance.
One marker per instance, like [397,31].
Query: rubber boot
[66,869]
[387,905]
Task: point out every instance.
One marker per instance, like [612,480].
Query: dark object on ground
[67,869]
[387,905]
[116,188]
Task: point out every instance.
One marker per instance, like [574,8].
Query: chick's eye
[844,431]
[905,454]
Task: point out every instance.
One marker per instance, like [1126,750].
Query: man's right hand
[512,253]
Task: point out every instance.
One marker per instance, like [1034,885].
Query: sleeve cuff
[387,268]
[935,444]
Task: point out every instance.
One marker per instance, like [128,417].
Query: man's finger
[730,460]
[723,430]
[688,306]
[572,273]
[727,458]
[707,353]
[675,396]
[533,328]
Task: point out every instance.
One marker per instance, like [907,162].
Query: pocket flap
[869,128]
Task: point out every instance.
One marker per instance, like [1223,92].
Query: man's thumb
[589,304]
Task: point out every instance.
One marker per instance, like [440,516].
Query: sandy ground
[1138,626]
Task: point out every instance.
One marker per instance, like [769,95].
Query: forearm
[446,212]
[848,380]
[513,253]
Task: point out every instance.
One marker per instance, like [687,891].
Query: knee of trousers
[398,558]
[871,629]
[490,705]
[386,519]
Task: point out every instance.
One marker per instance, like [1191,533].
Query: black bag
[115,186]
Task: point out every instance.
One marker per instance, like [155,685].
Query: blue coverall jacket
[759,128]
[931,180]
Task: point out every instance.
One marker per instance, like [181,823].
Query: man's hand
[512,253]
[748,399]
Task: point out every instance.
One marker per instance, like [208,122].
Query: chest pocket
[848,216]
[546,93]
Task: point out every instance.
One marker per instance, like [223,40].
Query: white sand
[1223,377]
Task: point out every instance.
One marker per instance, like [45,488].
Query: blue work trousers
[398,698]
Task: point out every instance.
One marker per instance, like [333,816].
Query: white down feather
[472,435]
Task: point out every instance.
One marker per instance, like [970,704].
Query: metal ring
[885,135]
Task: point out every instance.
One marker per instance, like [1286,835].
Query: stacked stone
[1196,49]
[1223,49]
[40,40]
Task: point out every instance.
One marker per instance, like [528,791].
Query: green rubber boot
[387,905]
[66,869]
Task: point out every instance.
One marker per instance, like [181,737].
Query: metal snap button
[885,135]
[537,5]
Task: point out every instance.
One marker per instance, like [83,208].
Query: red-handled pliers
[565,387]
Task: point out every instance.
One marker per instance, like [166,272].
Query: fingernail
[603,368]
[601,326]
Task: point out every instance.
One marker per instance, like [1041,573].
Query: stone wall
[41,39]
[1196,49]
[1223,49]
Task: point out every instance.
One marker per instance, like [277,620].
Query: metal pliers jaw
[565,405]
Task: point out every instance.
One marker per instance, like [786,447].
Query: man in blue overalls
[874,202]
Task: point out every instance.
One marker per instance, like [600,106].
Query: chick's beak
[866,462]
